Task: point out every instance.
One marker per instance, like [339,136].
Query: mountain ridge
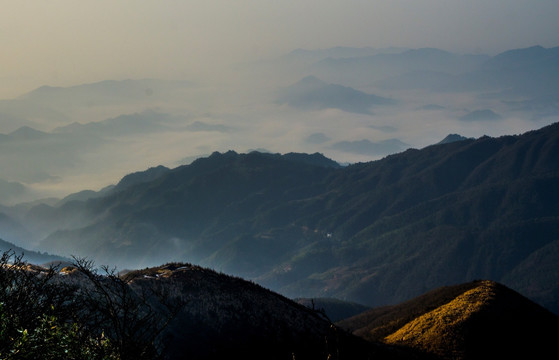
[443,214]
[311,93]
[475,320]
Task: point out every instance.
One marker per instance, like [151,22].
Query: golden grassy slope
[441,331]
[478,320]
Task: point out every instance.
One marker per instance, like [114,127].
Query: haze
[225,63]
[65,42]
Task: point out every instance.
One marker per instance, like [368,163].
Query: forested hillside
[375,233]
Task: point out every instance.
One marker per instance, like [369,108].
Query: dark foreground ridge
[227,316]
[183,311]
[174,311]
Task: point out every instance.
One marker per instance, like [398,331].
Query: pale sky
[68,42]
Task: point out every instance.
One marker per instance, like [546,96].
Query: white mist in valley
[87,101]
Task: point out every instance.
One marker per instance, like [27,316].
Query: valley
[388,203]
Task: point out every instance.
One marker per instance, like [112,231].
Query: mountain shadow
[477,320]
[225,316]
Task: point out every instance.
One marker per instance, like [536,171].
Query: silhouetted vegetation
[77,313]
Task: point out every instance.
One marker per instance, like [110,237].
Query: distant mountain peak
[367,147]
[27,133]
[142,176]
[312,81]
[311,93]
[452,138]
[481,115]
[312,159]
[428,51]
[316,159]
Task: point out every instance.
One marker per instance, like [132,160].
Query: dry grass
[441,330]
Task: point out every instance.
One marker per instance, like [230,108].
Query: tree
[132,317]
[85,316]
[36,313]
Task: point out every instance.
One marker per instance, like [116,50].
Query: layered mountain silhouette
[426,64]
[27,133]
[374,233]
[11,190]
[146,122]
[452,138]
[32,257]
[481,115]
[339,52]
[528,72]
[202,126]
[32,156]
[532,71]
[367,147]
[103,93]
[313,93]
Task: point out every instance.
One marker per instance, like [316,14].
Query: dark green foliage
[53,339]
[36,313]
[76,314]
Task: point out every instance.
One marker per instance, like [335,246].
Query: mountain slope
[374,233]
[532,71]
[29,256]
[520,73]
[211,198]
[482,319]
[226,316]
[433,217]
[452,138]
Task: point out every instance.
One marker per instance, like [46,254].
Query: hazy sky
[67,42]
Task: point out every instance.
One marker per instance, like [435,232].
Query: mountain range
[374,233]
[362,100]
[365,70]
[315,94]
[187,311]
[104,93]
[222,316]
[32,257]
[529,71]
